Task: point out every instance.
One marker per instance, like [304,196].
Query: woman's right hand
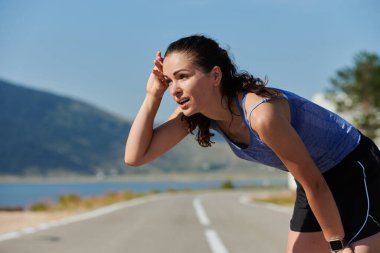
[156,85]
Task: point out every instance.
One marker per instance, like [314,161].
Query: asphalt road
[219,222]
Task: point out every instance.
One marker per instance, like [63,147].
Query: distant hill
[42,133]
[46,134]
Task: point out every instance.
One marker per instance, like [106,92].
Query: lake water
[25,194]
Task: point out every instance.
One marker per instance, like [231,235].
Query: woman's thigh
[314,242]
[367,245]
[310,242]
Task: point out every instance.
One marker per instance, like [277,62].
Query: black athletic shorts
[355,185]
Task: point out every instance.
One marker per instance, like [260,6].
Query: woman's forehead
[175,61]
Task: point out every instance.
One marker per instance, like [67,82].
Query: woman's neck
[221,112]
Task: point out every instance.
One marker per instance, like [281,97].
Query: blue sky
[101,52]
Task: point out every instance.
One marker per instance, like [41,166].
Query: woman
[336,167]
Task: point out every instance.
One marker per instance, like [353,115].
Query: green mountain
[45,134]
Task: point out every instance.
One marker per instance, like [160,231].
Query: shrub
[40,207]
[228,184]
[69,200]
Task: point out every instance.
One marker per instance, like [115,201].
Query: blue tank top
[327,136]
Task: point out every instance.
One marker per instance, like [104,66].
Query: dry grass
[287,199]
[74,202]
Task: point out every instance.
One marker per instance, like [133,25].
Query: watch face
[336,245]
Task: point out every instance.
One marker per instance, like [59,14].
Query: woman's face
[189,86]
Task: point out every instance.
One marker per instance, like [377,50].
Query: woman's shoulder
[263,110]
[250,98]
[253,101]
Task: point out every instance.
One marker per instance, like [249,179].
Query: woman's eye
[183,76]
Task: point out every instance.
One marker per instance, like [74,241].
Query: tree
[356,90]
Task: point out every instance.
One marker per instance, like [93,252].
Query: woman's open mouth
[182,102]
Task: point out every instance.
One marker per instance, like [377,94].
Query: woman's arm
[144,142]
[275,130]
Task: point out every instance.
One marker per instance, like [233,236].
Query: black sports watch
[337,245]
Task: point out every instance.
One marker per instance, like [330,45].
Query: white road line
[245,200]
[216,245]
[213,240]
[79,217]
[9,236]
[201,214]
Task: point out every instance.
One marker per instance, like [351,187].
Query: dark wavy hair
[206,54]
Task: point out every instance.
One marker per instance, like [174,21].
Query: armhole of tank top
[253,107]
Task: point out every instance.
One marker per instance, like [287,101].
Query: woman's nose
[175,89]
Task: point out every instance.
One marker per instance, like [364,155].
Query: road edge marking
[244,199]
[79,217]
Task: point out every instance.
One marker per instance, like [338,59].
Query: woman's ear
[216,74]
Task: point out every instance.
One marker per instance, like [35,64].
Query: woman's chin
[187,112]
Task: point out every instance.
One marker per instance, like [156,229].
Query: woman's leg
[314,242]
[367,245]
[310,242]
